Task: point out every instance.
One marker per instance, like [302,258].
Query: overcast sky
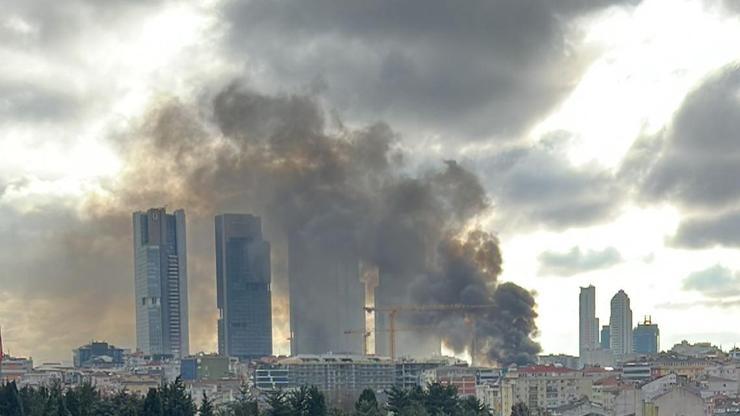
[607,134]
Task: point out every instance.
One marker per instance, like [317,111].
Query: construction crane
[366,334]
[393,311]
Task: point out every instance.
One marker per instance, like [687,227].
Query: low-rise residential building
[544,387]
[205,367]
[14,368]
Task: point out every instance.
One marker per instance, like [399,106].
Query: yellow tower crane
[395,309]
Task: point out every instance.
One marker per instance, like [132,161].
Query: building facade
[620,325]
[646,337]
[588,325]
[161,282]
[326,298]
[605,343]
[543,387]
[243,279]
[97,354]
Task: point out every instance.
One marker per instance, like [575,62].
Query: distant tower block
[370,276]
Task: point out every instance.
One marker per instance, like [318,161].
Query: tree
[278,404]
[153,403]
[244,405]
[520,409]
[316,402]
[176,401]
[441,399]
[11,403]
[367,404]
[398,399]
[206,406]
[470,406]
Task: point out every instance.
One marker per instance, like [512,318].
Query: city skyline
[567,144]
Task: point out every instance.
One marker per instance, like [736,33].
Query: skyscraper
[646,337]
[161,282]
[326,297]
[620,325]
[605,343]
[588,329]
[243,290]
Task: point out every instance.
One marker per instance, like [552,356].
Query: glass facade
[161,282]
[243,278]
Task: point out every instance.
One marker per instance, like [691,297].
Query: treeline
[173,399]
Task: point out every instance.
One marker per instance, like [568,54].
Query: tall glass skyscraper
[243,277]
[588,324]
[620,325]
[161,282]
[646,337]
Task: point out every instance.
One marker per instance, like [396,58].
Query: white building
[620,325]
[588,328]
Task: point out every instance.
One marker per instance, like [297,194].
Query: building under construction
[326,299]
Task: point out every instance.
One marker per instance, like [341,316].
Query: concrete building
[205,367]
[243,278]
[678,401]
[588,328]
[161,282]
[14,368]
[697,350]
[562,360]
[341,377]
[646,337]
[605,342]
[326,298]
[620,325]
[97,354]
[543,387]
[409,370]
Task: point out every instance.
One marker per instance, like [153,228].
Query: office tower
[588,330]
[605,337]
[646,337]
[161,285]
[326,297]
[243,290]
[620,325]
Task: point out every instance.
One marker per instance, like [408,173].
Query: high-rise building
[605,337]
[243,290]
[326,298]
[646,337]
[161,282]
[620,325]
[588,330]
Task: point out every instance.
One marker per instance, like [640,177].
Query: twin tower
[327,289]
[161,284]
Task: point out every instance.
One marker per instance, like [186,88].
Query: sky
[606,134]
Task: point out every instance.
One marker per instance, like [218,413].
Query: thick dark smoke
[348,190]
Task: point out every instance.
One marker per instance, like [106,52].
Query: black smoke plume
[347,189]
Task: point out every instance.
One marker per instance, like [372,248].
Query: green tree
[206,406]
[55,404]
[470,406]
[441,399]
[11,403]
[398,399]
[152,403]
[316,402]
[278,404]
[244,405]
[520,409]
[367,404]
[176,401]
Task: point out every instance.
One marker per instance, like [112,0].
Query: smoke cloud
[346,190]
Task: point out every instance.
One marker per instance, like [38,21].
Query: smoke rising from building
[343,191]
